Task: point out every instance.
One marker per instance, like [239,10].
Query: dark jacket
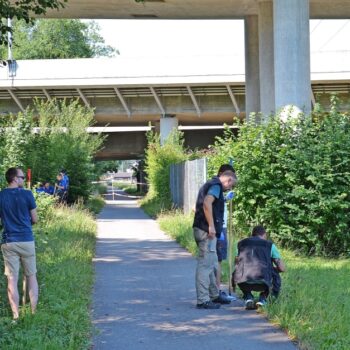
[254,261]
[218,208]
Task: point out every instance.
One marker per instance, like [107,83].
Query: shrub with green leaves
[158,160]
[60,141]
[294,178]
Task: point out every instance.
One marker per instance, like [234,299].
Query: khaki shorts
[17,252]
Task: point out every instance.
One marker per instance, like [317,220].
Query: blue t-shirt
[49,190]
[275,254]
[66,178]
[63,183]
[15,207]
[215,192]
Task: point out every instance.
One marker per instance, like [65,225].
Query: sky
[176,38]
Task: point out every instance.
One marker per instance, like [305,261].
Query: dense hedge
[294,177]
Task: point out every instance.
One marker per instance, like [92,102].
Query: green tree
[23,9]
[103,166]
[294,178]
[58,38]
[49,138]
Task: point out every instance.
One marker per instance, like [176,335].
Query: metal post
[9,40]
[230,247]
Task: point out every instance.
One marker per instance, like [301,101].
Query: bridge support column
[266,58]
[252,81]
[292,54]
[168,123]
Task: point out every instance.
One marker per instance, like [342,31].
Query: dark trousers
[263,288]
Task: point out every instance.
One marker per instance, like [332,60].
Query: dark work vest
[218,208]
[254,261]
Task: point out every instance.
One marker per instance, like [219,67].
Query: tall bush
[294,178]
[50,137]
[158,160]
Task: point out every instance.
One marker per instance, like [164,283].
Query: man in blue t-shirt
[62,187]
[45,187]
[18,214]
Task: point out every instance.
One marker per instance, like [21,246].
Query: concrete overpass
[277,37]
[184,9]
[197,91]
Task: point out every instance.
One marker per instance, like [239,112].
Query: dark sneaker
[222,299]
[208,305]
[249,304]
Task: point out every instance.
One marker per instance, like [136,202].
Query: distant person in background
[45,187]
[18,214]
[65,178]
[61,189]
[48,188]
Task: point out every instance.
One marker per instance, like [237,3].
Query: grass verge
[128,187]
[65,248]
[153,207]
[314,304]
[95,203]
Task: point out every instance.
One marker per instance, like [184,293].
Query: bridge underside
[213,104]
[131,145]
[183,9]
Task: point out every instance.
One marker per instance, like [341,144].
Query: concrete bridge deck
[207,90]
[183,9]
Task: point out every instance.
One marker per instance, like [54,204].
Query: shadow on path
[144,295]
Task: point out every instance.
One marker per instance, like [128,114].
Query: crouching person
[257,268]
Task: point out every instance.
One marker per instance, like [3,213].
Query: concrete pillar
[292,54]
[252,85]
[266,58]
[167,124]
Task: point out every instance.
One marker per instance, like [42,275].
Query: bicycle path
[144,293]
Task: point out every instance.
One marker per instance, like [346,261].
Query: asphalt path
[144,293]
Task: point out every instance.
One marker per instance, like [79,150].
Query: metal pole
[9,40]
[230,247]
[112,188]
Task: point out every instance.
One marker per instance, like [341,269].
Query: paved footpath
[144,294]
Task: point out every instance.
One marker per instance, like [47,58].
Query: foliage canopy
[60,141]
[23,9]
[58,38]
[294,178]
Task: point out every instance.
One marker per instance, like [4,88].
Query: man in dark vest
[207,226]
[258,264]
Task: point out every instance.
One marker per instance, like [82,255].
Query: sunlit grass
[314,304]
[65,248]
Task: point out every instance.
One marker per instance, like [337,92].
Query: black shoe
[208,305]
[222,299]
[249,304]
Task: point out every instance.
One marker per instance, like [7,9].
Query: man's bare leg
[13,296]
[33,290]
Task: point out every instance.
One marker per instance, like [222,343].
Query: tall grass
[314,304]
[65,248]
